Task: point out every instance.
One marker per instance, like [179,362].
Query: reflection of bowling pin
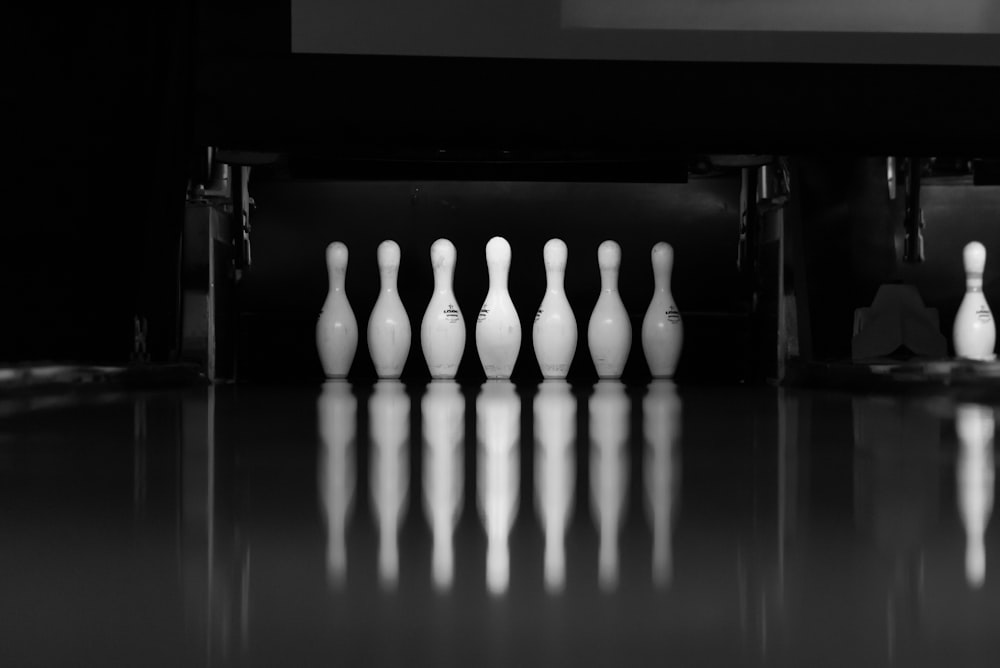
[443,413]
[609,333]
[609,421]
[554,332]
[498,329]
[974,472]
[389,415]
[555,467]
[662,330]
[498,421]
[442,332]
[337,328]
[388,326]
[974,332]
[661,412]
[337,410]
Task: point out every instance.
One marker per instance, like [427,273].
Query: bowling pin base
[443,372]
[555,371]
[606,373]
[493,373]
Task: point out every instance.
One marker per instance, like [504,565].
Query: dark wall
[252,90]
[106,103]
[282,295]
[99,128]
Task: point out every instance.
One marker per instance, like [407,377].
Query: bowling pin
[661,472]
[442,331]
[498,329]
[554,332]
[974,331]
[974,473]
[337,328]
[555,464]
[443,412]
[337,409]
[609,334]
[498,423]
[662,329]
[389,415]
[609,426]
[388,326]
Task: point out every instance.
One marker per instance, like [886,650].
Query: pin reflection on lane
[661,425]
[443,413]
[498,424]
[609,434]
[974,476]
[337,409]
[555,473]
[389,413]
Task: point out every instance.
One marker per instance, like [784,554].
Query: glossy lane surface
[491,524]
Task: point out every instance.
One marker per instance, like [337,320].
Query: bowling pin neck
[609,279]
[498,262]
[663,263]
[555,255]
[337,277]
[974,260]
[554,278]
[498,275]
[609,258]
[443,276]
[336,265]
[388,275]
[443,258]
[387,257]
[661,282]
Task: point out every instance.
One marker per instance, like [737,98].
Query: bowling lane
[494,523]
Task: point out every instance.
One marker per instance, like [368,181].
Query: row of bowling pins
[498,412]
[498,329]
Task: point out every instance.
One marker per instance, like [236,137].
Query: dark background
[108,104]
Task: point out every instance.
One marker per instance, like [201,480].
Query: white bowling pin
[609,426]
[555,466]
[554,332]
[974,473]
[498,329]
[388,326]
[498,422]
[443,413]
[609,333]
[661,410]
[442,331]
[662,329]
[974,332]
[337,328]
[389,415]
[337,411]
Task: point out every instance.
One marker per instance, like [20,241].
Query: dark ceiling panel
[254,93]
